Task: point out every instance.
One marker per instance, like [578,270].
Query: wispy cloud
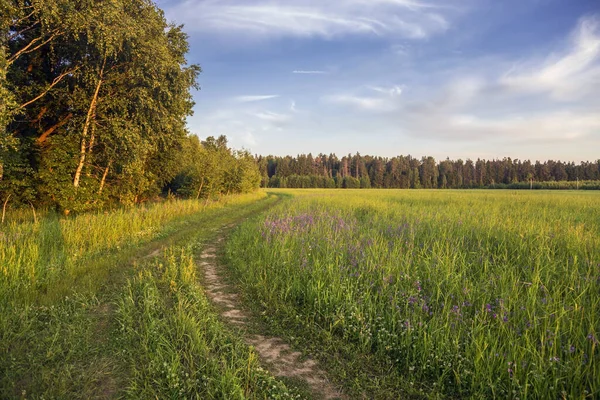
[551,98]
[307,18]
[273,117]
[567,76]
[519,127]
[314,72]
[390,91]
[360,102]
[249,99]
[384,99]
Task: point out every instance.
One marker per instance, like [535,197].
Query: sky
[447,78]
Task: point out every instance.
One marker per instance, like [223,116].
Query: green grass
[85,313]
[174,344]
[45,258]
[469,294]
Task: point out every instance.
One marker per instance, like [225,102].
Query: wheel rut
[275,353]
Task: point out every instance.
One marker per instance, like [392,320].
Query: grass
[411,294]
[175,345]
[39,260]
[468,294]
[85,313]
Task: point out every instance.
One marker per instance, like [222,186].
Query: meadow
[110,305]
[435,294]
[420,294]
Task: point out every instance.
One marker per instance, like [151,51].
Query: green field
[397,293]
[445,293]
[110,306]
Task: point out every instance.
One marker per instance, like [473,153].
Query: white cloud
[567,76]
[553,98]
[390,91]
[249,99]
[361,102]
[523,127]
[384,100]
[272,117]
[308,18]
[315,72]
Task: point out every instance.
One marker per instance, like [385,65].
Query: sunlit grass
[468,293]
[35,256]
[174,343]
[90,307]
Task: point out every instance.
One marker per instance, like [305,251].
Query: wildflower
[592,338]
[418,286]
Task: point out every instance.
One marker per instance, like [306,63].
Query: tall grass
[72,325]
[464,293]
[35,256]
[175,345]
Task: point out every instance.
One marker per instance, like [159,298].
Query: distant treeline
[93,101]
[403,172]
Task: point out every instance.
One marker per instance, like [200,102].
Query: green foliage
[350,182]
[480,294]
[211,168]
[102,90]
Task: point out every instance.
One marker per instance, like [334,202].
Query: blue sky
[447,78]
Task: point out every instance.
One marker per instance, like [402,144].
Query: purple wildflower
[592,338]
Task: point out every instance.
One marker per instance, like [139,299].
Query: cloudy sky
[447,78]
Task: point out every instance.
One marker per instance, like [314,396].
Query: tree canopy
[94,96]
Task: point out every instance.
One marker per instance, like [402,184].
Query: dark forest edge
[406,172]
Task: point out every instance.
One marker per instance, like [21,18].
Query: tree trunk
[103,181]
[4,207]
[48,131]
[86,127]
[200,190]
[88,173]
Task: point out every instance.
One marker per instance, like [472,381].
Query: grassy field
[399,294]
[469,294]
[109,306]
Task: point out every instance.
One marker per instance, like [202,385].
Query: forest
[403,172]
[94,97]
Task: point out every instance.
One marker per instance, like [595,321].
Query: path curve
[281,360]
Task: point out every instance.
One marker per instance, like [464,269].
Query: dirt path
[280,359]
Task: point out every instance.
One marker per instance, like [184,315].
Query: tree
[102,89]
[429,173]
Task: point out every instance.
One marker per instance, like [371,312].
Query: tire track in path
[278,356]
